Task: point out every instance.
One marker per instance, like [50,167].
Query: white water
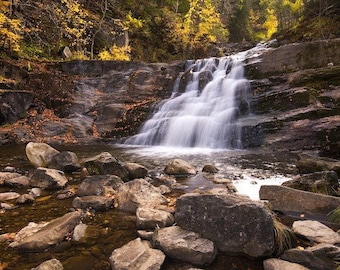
[202,116]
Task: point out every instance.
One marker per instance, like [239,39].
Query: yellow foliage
[271,23]
[116,53]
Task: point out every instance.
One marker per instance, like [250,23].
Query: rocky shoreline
[192,228]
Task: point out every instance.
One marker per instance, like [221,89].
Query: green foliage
[334,216]
[284,238]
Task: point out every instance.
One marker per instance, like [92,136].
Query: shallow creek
[248,169]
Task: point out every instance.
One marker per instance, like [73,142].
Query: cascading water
[206,114]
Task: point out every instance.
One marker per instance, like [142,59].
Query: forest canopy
[157,30]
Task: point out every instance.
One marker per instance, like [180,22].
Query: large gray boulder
[105,163]
[136,255]
[137,193]
[135,170]
[316,232]
[319,257]
[149,218]
[38,237]
[309,163]
[234,223]
[325,182]
[285,200]
[40,154]
[99,185]
[179,167]
[48,179]
[185,245]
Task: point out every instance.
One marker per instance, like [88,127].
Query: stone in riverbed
[136,255]
[6,176]
[25,199]
[38,237]
[179,167]
[148,218]
[65,161]
[137,193]
[236,224]
[52,264]
[6,196]
[135,170]
[277,264]
[20,182]
[40,154]
[105,163]
[319,257]
[308,163]
[185,245]
[98,184]
[48,179]
[316,232]
[93,202]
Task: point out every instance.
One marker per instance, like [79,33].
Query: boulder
[309,163]
[234,223]
[137,193]
[65,161]
[316,232]
[179,167]
[93,202]
[25,199]
[40,154]
[325,182]
[40,237]
[135,170]
[48,179]
[149,218]
[286,200]
[277,264]
[185,245]
[98,185]
[210,168]
[105,163]
[319,257]
[52,264]
[136,255]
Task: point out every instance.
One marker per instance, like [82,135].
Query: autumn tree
[10,28]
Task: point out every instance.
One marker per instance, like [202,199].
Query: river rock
[65,161]
[6,196]
[309,163]
[325,182]
[210,168]
[79,232]
[137,193]
[25,199]
[319,257]
[105,163]
[277,264]
[46,235]
[316,232]
[149,218]
[52,264]
[285,200]
[48,179]
[40,154]
[19,182]
[98,185]
[136,255]
[5,176]
[185,245]
[179,167]
[135,170]
[234,223]
[93,202]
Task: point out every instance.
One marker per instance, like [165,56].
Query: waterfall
[207,111]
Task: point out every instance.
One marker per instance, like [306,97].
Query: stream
[247,169]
